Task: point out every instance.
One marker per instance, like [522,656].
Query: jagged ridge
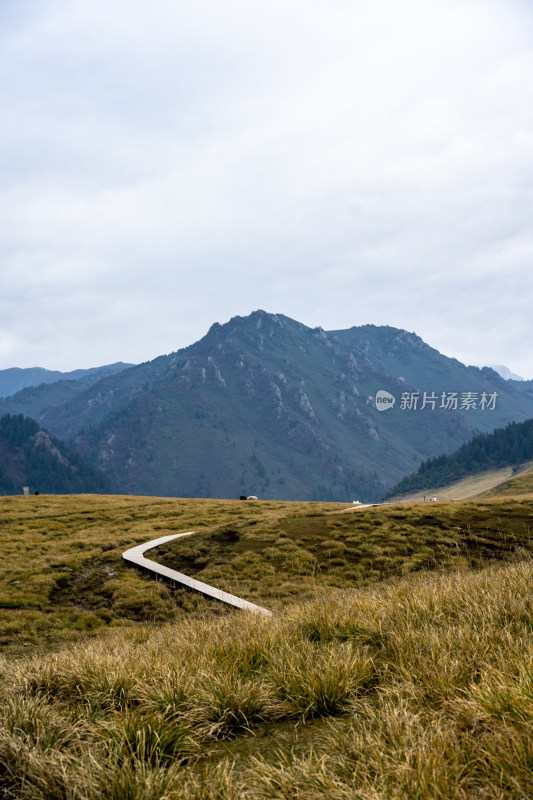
[266,405]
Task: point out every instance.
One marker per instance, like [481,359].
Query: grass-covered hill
[397,663]
[518,487]
[29,456]
[265,405]
[63,574]
[509,446]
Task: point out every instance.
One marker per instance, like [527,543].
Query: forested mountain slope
[509,446]
[29,456]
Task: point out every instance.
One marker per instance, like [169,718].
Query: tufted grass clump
[320,680]
[418,687]
[406,673]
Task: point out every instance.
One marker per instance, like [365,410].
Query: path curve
[135,556]
[358,507]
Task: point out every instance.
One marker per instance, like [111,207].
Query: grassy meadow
[62,574]
[398,662]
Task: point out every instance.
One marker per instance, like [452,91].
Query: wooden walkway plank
[135,556]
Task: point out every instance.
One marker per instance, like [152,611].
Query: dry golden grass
[62,575]
[298,555]
[520,486]
[379,687]
[418,688]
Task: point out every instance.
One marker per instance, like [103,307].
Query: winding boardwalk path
[135,556]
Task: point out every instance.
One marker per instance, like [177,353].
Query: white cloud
[169,165]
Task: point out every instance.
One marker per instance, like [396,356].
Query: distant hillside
[15,379]
[518,486]
[506,373]
[29,456]
[507,446]
[522,386]
[265,405]
[57,407]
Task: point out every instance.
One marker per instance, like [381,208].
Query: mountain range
[265,405]
[15,379]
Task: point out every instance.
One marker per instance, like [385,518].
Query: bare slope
[482,483]
[519,486]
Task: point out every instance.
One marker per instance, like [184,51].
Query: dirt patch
[86,589]
[228,536]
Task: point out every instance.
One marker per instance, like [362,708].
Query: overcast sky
[170,164]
